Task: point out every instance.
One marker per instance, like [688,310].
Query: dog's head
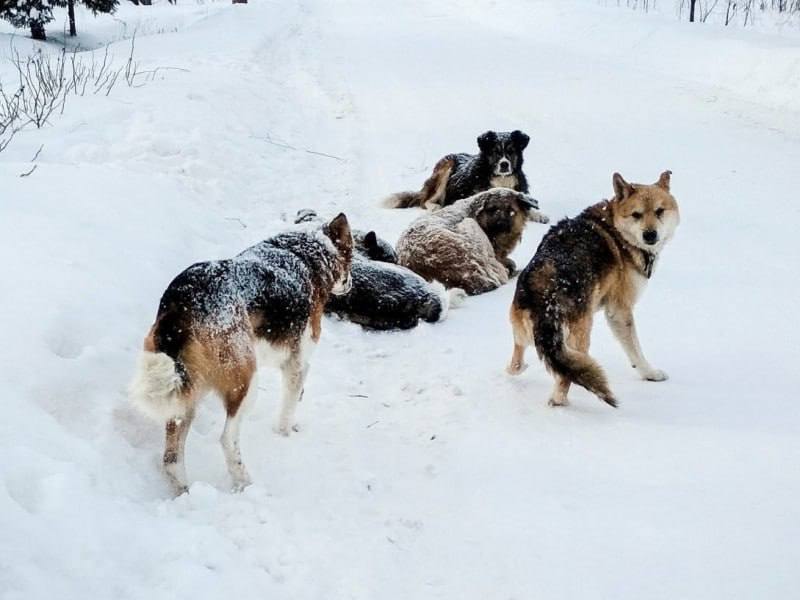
[374,248]
[645,215]
[338,231]
[503,211]
[503,150]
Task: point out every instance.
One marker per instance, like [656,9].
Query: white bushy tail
[448,299]
[156,386]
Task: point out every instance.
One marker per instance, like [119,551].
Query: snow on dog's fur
[467,245]
[602,258]
[388,296]
[385,295]
[456,176]
[219,321]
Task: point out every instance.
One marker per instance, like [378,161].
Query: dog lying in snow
[386,296]
[219,321]
[602,258]
[466,245]
[456,176]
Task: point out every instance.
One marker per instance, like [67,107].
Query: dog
[457,176]
[602,258]
[219,321]
[467,244]
[385,296]
[365,243]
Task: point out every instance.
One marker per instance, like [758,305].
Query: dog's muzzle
[504,167]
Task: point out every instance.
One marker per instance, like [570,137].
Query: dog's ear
[663,180]
[371,240]
[487,140]
[622,189]
[305,215]
[338,230]
[527,201]
[520,139]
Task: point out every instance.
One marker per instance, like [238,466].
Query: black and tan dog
[600,259]
[467,245]
[456,176]
[218,322]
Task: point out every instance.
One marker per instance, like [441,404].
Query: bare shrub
[45,81]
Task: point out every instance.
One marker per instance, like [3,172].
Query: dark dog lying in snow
[456,176]
[384,295]
[466,245]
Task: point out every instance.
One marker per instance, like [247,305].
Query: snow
[421,469]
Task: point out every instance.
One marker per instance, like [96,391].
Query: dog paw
[240,484]
[538,217]
[654,375]
[515,368]
[282,428]
[554,402]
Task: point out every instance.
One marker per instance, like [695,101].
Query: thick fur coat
[219,321]
[457,176]
[601,259]
[467,245]
[384,295]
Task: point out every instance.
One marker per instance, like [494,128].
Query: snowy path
[422,470]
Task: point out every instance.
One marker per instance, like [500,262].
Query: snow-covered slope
[422,469]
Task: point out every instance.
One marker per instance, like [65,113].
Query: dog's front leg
[510,265]
[294,375]
[620,319]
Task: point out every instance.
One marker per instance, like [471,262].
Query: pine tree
[27,13]
[35,14]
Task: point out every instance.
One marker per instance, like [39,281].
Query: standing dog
[456,176]
[219,321]
[466,245]
[600,259]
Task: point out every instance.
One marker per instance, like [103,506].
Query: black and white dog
[457,176]
[384,295]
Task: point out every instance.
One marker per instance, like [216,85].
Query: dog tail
[436,309]
[578,367]
[158,384]
[403,200]
[432,192]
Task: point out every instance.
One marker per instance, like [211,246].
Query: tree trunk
[692,4]
[37,30]
[71,10]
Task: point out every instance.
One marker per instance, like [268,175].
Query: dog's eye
[636,215]
[659,212]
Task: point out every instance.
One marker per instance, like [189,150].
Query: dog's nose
[505,165]
[650,236]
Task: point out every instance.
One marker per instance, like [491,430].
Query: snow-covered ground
[422,469]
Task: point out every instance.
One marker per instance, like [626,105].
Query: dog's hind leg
[236,401]
[522,328]
[620,319]
[578,338]
[174,451]
[560,389]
